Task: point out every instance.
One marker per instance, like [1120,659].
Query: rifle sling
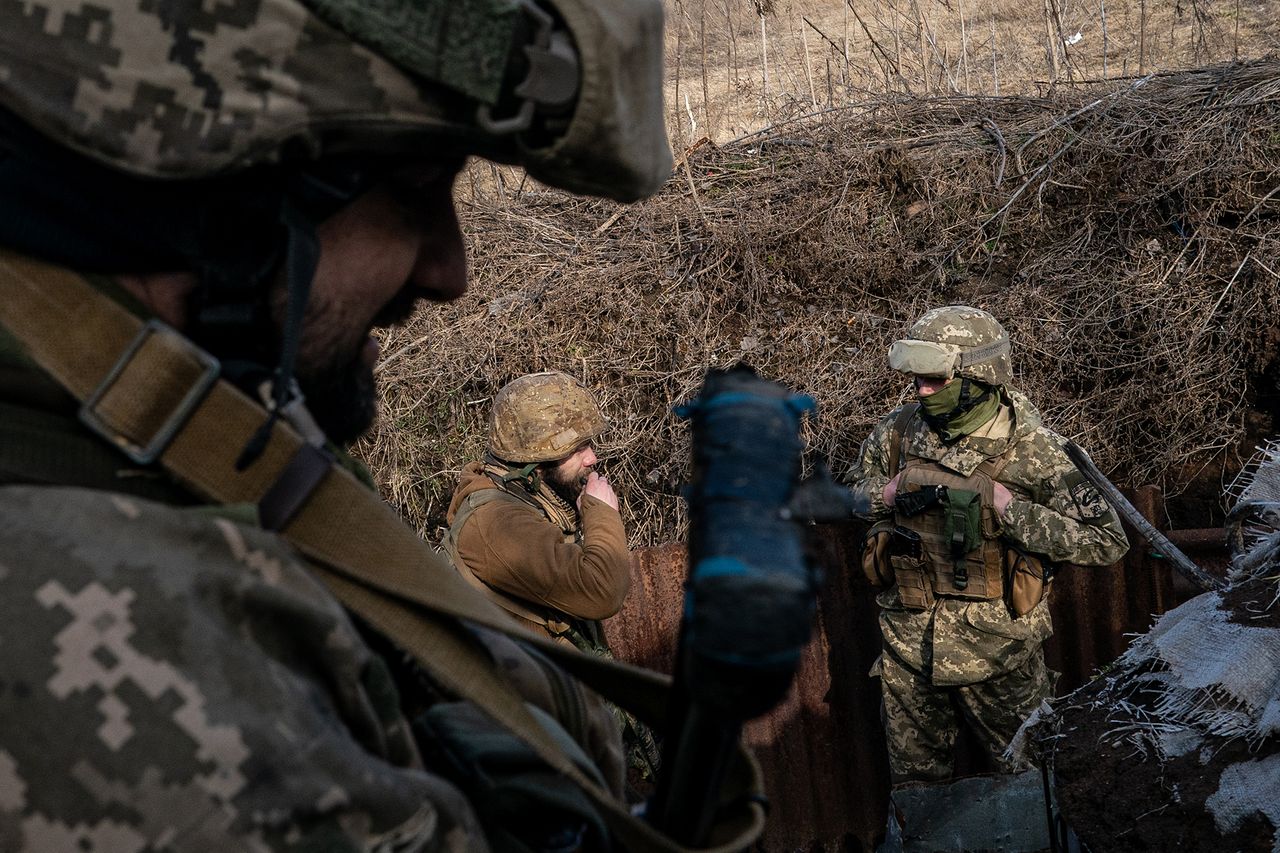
[137,385]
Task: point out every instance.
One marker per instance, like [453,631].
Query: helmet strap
[302,256]
[524,474]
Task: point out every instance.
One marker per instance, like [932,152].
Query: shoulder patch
[1090,503]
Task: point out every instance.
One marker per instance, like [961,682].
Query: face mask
[953,419]
[942,402]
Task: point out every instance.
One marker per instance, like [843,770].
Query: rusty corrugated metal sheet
[823,751]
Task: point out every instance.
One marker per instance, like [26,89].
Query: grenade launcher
[751,592]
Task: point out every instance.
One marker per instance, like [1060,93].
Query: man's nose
[589,457]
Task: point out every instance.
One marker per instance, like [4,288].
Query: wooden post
[764,61]
[808,72]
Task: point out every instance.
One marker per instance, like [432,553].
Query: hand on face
[598,487]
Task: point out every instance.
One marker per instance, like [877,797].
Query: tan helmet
[955,340]
[541,417]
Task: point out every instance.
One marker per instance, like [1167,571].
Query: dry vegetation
[735,66]
[1125,232]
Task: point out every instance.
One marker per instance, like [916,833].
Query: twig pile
[1126,235]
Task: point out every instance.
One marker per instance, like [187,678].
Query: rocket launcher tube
[750,594]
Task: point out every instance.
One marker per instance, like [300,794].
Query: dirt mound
[1127,236]
[1176,746]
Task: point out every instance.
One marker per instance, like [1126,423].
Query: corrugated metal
[822,751]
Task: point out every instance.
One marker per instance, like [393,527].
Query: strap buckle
[149,451]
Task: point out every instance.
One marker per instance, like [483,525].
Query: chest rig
[947,531]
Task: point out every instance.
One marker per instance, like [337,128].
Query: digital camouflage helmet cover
[571,89]
[955,340]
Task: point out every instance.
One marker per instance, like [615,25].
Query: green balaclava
[959,408]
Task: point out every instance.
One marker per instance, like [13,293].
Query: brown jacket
[515,548]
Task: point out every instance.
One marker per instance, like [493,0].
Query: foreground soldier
[274,180]
[976,503]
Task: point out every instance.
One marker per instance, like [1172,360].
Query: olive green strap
[897,435]
[510,603]
[150,391]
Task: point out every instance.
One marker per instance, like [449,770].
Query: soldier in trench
[974,505]
[205,209]
[536,529]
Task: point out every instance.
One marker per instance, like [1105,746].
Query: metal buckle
[147,453]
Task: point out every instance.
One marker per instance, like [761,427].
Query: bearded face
[568,477]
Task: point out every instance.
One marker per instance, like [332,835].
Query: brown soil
[1118,796]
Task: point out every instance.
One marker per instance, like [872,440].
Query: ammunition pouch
[947,542]
[875,555]
[1027,579]
[962,530]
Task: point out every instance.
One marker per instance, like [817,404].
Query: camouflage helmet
[571,89]
[955,340]
[542,417]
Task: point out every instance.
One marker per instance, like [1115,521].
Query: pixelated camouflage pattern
[190,90]
[541,417]
[1053,513]
[920,721]
[964,327]
[177,681]
[463,45]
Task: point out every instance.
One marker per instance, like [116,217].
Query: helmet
[955,340]
[571,89]
[541,417]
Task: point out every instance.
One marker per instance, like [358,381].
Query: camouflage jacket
[1055,512]
[174,678]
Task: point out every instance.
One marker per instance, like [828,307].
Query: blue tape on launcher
[749,600]
[750,595]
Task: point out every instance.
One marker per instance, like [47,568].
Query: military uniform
[175,676]
[554,567]
[960,655]
[562,574]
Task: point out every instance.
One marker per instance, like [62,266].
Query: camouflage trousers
[922,720]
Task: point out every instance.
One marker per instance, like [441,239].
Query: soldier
[204,210]
[536,529]
[533,526]
[975,504]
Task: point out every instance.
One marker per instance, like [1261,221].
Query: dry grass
[1126,234]
[736,66]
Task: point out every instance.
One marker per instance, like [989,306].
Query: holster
[1027,579]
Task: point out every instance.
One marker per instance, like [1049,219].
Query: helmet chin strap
[302,256]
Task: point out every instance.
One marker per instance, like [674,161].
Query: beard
[342,398]
[567,487]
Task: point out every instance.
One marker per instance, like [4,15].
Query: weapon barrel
[1154,537]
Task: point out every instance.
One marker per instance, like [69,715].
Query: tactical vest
[950,547]
[586,636]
